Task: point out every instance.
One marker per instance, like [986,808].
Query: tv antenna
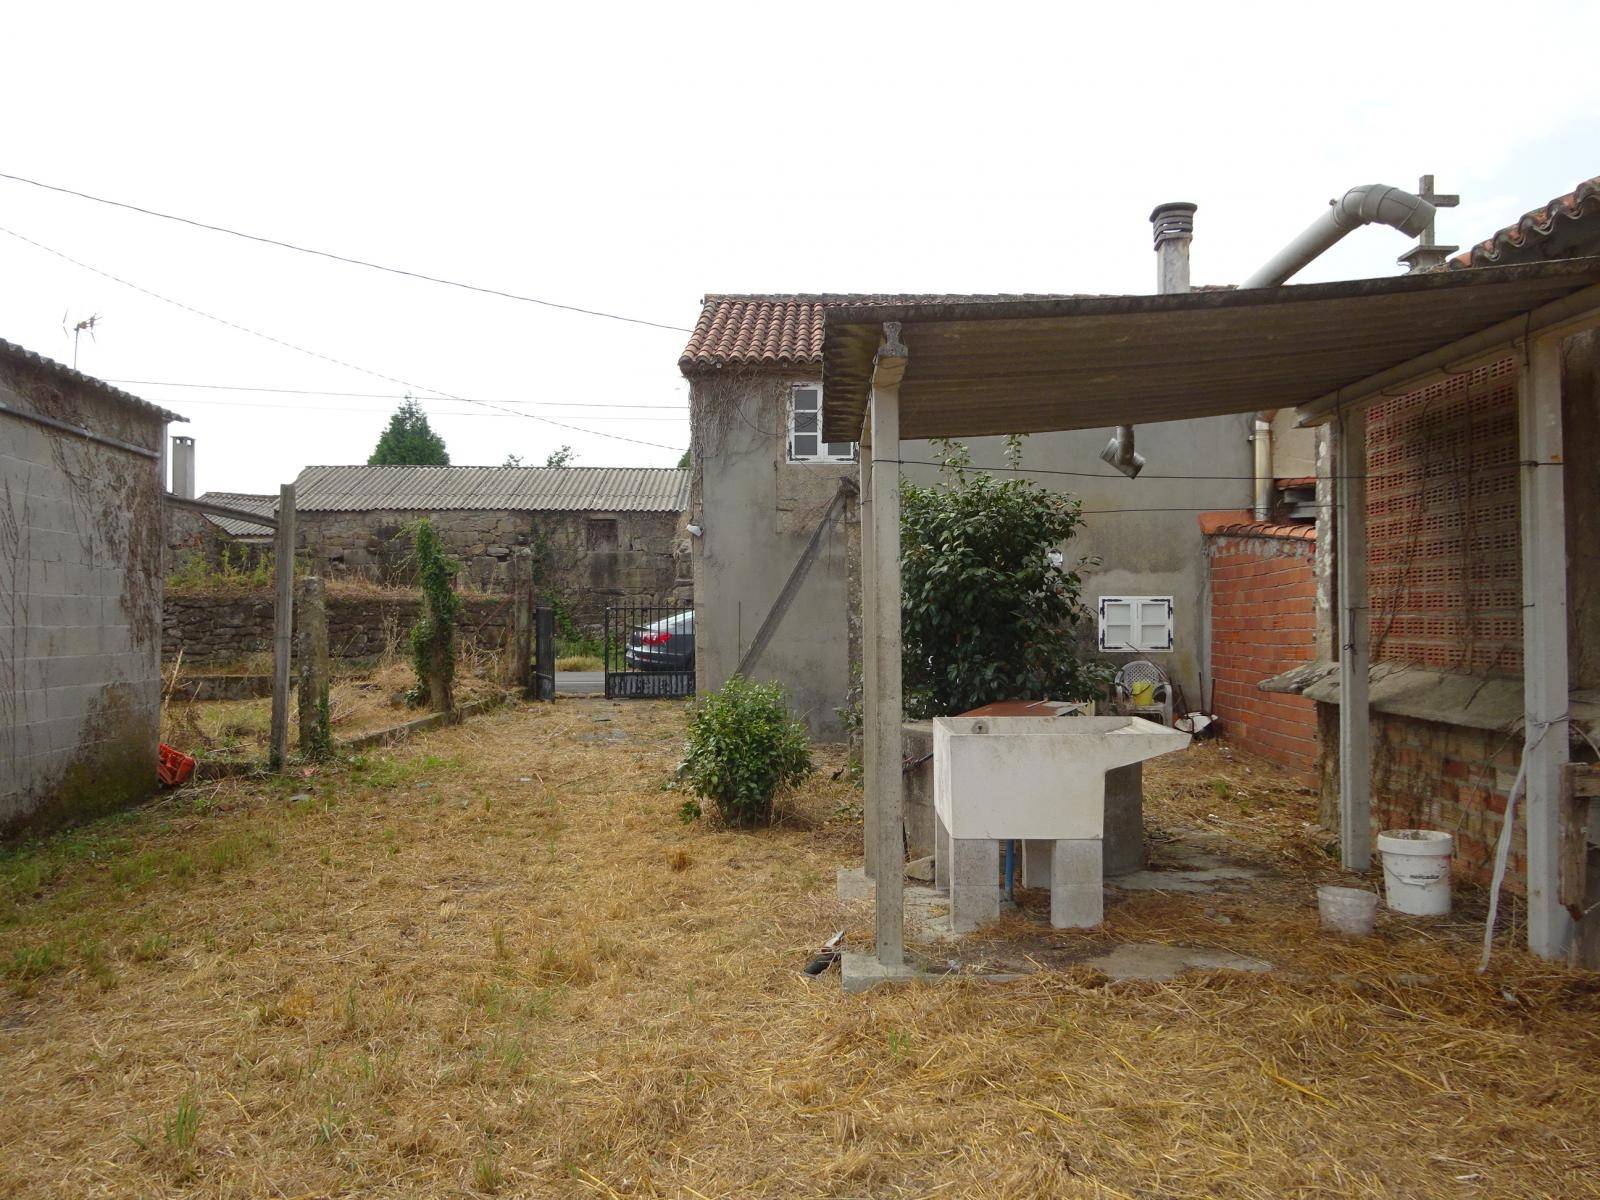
[77,329]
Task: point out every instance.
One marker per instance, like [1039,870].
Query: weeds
[183,1124]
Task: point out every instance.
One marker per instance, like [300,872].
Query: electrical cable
[406,383]
[283,391]
[343,258]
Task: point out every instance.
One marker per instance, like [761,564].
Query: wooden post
[884,647]
[869,662]
[1355,636]
[283,627]
[311,655]
[1544,639]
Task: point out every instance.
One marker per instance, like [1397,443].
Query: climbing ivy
[433,636]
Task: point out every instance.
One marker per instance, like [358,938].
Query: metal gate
[544,654]
[649,652]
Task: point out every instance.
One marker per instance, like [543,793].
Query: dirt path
[495,962]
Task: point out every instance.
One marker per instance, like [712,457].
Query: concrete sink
[1042,781]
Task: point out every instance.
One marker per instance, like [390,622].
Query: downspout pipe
[1369,204]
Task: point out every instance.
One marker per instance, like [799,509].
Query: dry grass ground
[493,961]
[360,700]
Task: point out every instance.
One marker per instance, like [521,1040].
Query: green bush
[743,749]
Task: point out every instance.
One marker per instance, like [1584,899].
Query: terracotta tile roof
[1296,481]
[1265,529]
[776,331]
[1567,227]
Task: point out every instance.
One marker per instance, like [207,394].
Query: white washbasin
[1035,777]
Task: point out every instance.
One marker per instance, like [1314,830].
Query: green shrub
[743,749]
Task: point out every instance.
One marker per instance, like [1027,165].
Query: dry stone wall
[229,627]
[588,559]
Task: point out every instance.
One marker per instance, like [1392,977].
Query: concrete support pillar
[311,656]
[1077,894]
[974,883]
[1036,857]
[1124,820]
[1355,629]
[941,854]
[883,642]
[1544,632]
[869,659]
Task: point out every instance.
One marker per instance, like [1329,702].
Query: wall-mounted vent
[1141,624]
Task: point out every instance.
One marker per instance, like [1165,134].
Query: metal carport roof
[1031,366]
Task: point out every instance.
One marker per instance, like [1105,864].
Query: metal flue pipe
[1369,204]
[1172,226]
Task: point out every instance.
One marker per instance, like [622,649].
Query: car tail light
[659,638]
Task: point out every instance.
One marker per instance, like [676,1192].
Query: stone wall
[229,627]
[80,599]
[1263,622]
[587,559]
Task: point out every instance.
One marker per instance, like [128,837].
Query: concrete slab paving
[1147,960]
[1207,879]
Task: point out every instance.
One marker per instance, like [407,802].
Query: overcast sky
[632,159]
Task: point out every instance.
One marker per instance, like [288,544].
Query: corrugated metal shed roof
[518,489]
[66,374]
[250,502]
[1032,366]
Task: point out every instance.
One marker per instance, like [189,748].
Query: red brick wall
[1427,775]
[1263,622]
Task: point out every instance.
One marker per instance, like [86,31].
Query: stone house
[764,484]
[604,535]
[81,536]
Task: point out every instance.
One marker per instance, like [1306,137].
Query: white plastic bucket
[1347,909]
[1416,870]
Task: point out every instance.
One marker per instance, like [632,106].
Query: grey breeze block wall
[758,510]
[592,558]
[80,603]
[226,627]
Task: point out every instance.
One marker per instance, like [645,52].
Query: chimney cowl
[1174,219]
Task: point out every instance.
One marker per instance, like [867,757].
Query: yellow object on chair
[1143,692]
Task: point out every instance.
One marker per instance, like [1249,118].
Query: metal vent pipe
[1369,204]
[1172,226]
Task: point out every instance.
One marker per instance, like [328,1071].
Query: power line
[405,383]
[381,412]
[344,258]
[282,391]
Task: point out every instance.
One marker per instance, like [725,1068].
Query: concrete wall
[80,603]
[229,627]
[758,510]
[590,559]
[1263,596]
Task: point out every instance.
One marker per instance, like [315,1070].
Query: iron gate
[649,652]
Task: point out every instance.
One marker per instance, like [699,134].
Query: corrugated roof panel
[518,489]
[250,502]
[61,371]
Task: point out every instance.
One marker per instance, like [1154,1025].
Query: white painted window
[805,428]
[1136,623]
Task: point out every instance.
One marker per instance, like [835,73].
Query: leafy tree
[560,457]
[512,460]
[685,462]
[409,441]
[990,610]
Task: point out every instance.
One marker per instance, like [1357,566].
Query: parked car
[664,645]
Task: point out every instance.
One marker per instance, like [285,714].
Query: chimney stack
[183,467]
[1173,227]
